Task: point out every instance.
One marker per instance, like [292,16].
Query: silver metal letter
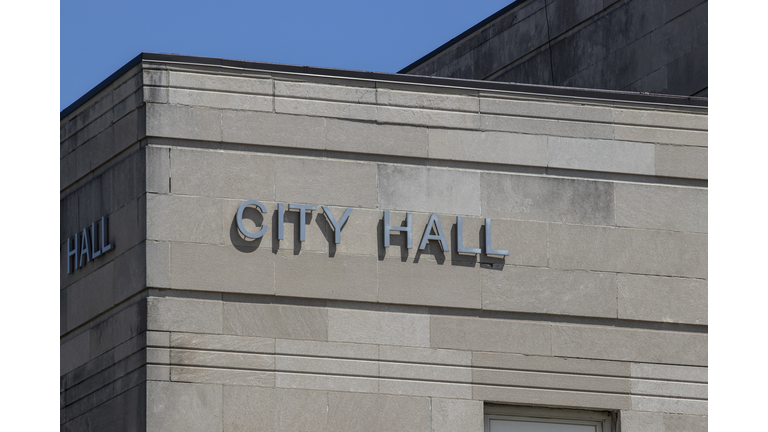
[95,250]
[488,250]
[85,247]
[433,220]
[280,215]
[239,219]
[104,236]
[408,229]
[302,217]
[460,239]
[72,253]
[337,226]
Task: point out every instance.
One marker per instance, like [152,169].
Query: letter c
[240,219]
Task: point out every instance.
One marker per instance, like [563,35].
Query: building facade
[248,246]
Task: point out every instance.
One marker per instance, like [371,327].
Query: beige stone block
[601,155]
[319,108]
[327,349]
[378,327]
[661,207]
[560,398]
[158,169]
[547,199]
[158,373]
[326,366]
[453,415]
[280,130]
[432,190]
[153,77]
[488,147]
[411,371]
[154,94]
[425,388]
[222,342]
[226,174]
[679,161]
[550,291]
[222,268]
[428,117]
[427,100]
[636,421]
[550,364]
[670,372]
[90,296]
[275,321]
[559,381]
[229,360]
[218,99]
[526,241]
[664,253]
[325,182]
[661,135]
[428,283]
[481,334]
[341,93]
[669,389]
[665,119]
[158,264]
[611,343]
[158,339]
[183,407]
[185,315]
[184,218]
[219,82]
[425,355]
[274,409]
[341,277]
[158,355]
[539,126]
[361,137]
[222,376]
[664,299]
[549,110]
[669,405]
[359,236]
[383,413]
[177,121]
[326,382]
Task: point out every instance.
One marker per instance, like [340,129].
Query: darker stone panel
[618,69]
[680,36]
[688,74]
[125,412]
[565,14]
[534,69]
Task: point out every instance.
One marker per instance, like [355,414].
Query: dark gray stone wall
[654,46]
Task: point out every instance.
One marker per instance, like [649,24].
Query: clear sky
[98,37]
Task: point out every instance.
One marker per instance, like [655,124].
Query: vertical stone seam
[431,427]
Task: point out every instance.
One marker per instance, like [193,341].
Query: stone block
[158,339]
[661,135]
[488,147]
[341,277]
[158,373]
[550,364]
[560,398]
[662,299]
[325,182]
[217,359]
[74,352]
[177,121]
[326,382]
[326,366]
[428,117]
[320,91]
[550,291]
[554,381]
[427,100]
[453,415]
[539,126]
[222,376]
[425,355]
[432,190]
[158,169]
[225,174]
[184,315]
[158,265]
[425,388]
[359,236]
[383,413]
[183,407]
[327,349]
[279,130]
[222,268]
[601,155]
[256,409]
[669,389]
[670,372]
[664,119]
[545,110]
[378,327]
[627,250]
[637,421]
[158,355]
[547,199]
[480,334]
[361,137]
[222,342]
[125,409]
[669,405]
[428,372]
[126,226]
[275,321]
[129,273]
[252,85]
[117,331]
[661,207]
[90,296]
[682,162]
[217,99]
[184,218]
[123,183]
[308,107]
[525,240]
[428,283]
[624,344]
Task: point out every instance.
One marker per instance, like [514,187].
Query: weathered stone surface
[184,218]
[488,147]
[222,342]
[231,360]
[183,407]
[551,381]
[90,296]
[222,376]
[670,372]
[548,110]
[319,108]
[428,100]
[217,99]
[275,321]
[661,136]
[428,283]
[177,121]
[255,409]
[389,328]
[427,117]
[326,382]
[310,90]
[669,389]
[669,405]
[601,155]
[326,366]
[425,388]
[280,130]
[661,207]
[540,126]
[343,277]
[361,137]
[664,299]
[219,82]
[638,421]
[356,412]
[326,349]
[185,315]
[158,264]
[553,364]
[325,182]
[682,162]
[425,372]
[225,174]
[425,355]
[480,334]
[158,169]
[432,190]
[453,415]
[562,398]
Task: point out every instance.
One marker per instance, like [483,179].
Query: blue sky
[98,37]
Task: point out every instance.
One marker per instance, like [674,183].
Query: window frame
[603,420]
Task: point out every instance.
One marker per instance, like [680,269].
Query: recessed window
[507,418]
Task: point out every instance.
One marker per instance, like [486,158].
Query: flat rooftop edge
[393,77]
